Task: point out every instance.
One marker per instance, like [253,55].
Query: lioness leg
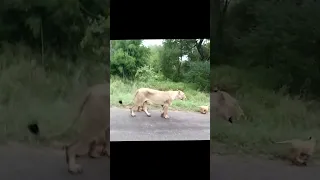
[165,111]
[93,151]
[134,108]
[103,143]
[140,108]
[71,153]
[106,145]
[295,157]
[145,108]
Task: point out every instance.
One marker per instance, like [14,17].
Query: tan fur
[95,130]
[140,108]
[301,150]
[223,105]
[147,96]
[204,109]
[97,147]
[96,116]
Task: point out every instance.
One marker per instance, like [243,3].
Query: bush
[146,73]
[198,72]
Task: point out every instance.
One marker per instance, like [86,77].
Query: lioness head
[181,95]
[225,106]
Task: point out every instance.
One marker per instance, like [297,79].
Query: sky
[151,42]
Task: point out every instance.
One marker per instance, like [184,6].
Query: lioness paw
[75,169]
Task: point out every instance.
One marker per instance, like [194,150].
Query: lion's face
[181,95]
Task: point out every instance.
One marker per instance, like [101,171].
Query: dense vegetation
[266,53]
[49,52]
[176,64]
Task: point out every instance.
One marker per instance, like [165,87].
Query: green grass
[271,116]
[124,90]
[29,93]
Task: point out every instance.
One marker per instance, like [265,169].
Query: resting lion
[147,96]
[225,106]
[301,150]
[95,113]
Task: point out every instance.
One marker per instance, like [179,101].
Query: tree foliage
[127,57]
[282,37]
[68,29]
[176,59]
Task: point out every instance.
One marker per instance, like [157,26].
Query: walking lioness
[146,96]
[95,114]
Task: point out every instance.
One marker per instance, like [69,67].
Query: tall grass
[30,92]
[271,116]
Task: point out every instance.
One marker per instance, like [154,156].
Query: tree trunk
[200,49]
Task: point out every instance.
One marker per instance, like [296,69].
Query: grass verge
[29,92]
[271,116]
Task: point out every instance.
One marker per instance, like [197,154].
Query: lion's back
[153,96]
[95,113]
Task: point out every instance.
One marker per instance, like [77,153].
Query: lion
[95,114]
[101,140]
[139,109]
[204,109]
[223,105]
[301,150]
[97,147]
[147,96]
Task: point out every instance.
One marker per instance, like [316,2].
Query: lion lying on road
[301,150]
[225,106]
[96,123]
[147,96]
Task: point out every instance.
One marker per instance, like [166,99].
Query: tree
[55,27]
[127,56]
[281,37]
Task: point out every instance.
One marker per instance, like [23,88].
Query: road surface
[180,126]
[232,167]
[30,163]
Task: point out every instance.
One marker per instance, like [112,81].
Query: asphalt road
[232,167]
[30,163]
[180,126]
